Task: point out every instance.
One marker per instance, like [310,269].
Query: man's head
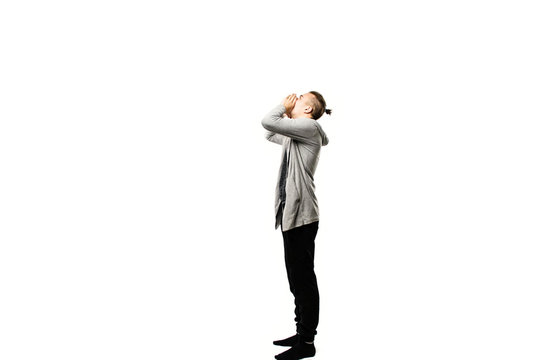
[309,105]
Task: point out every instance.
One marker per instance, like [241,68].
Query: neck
[295,116]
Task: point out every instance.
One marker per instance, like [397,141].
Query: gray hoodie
[302,138]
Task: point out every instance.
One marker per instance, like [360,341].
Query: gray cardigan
[302,138]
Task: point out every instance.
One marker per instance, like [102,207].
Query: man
[296,208]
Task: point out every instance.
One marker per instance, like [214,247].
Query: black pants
[299,246]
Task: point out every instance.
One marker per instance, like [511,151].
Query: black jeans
[299,244]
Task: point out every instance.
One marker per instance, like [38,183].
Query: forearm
[273,137]
[301,129]
[273,117]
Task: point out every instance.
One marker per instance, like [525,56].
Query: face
[303,107]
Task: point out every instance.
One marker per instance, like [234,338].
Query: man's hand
[289,102]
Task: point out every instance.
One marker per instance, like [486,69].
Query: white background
[137,189]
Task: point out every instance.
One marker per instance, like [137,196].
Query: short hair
[319,106]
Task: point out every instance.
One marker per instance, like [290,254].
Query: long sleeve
[273,137]
[301,129]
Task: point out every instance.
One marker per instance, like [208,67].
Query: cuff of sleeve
[281,107]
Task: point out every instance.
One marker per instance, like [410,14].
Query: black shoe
[299,350]
[290,341]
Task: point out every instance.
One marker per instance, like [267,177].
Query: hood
[324,138]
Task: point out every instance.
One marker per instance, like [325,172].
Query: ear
[308,110]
